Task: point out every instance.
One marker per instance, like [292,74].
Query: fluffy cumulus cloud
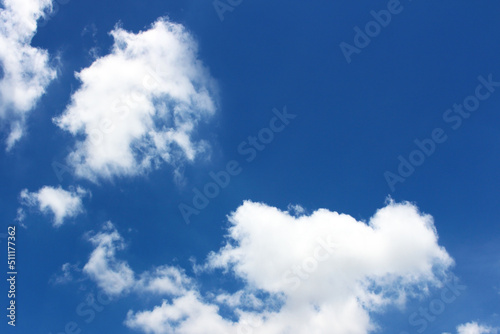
[475,328]
[61,203]
[319,273]
[26,71]
[116,277]
[140,104]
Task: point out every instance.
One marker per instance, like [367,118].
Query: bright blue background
[353,121]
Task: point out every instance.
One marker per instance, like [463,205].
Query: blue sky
[115,115]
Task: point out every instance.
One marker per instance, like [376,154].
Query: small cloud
[164,280]
[116,277]
[111,275]
[61,203]
[296,209]
[90,29]
[475,328]
[66,274]
[21,215]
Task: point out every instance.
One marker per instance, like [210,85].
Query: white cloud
[129,121]
[475,328]
[323,273]
[26,69]
[115,276]
[189,311]
[239,298]
[111,275]
[66,274]
[61,203]
[164,280]
[21,215]
[296,209]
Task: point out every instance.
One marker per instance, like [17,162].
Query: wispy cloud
[116,277]
[26,71]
